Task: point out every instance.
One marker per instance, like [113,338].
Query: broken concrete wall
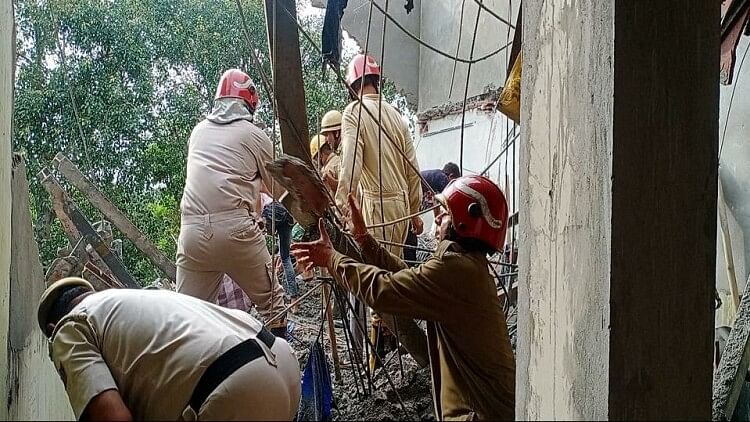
[441,26]
[425,77]
[35,390]
[484,141]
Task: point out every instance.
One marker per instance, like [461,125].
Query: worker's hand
[355,220]
[315,254]
[417,225]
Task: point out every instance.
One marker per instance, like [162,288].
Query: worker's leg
[201,284]
[258,390]
[284,230]
[197,273]
[249,264]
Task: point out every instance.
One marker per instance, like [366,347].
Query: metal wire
[458,47]
[466,88]
[493,14]
[435,49]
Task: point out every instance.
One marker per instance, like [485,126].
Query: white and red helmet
[235,83]
[361,66]
[478,209]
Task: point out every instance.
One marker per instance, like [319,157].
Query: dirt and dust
[350,402]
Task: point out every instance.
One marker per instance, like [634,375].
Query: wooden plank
[113,214]
[77,224]
[735,359]
[288,88]
[58,197]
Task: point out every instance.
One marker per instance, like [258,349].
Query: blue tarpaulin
[317,393]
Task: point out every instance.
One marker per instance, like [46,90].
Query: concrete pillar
[7,61]
[618,199]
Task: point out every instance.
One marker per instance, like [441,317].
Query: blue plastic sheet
[317,393]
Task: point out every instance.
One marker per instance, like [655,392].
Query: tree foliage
[117,85]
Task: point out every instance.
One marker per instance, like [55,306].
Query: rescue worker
[473,364]
[436,180]
[128,354]
[390,188]
[220,229]
[320,151]
[330,128]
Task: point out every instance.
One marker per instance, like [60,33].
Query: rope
[435,49]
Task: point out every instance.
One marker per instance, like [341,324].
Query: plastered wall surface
[567,102]
[485,134]
[6,112]
[423,75]
[401,63]
[734,165]
[441,26]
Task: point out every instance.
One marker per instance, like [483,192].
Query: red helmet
[478,209]
[360,66]
[235,83]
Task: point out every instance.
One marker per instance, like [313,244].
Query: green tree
[117,85]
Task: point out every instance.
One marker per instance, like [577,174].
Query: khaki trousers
[262,390]
[231,243]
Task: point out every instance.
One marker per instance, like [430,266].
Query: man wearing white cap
[158,355]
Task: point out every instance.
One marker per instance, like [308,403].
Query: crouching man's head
[59,299]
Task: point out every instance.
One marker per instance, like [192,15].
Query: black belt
[225,365]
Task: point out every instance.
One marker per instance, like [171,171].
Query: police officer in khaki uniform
[158,355]
[471,358]
[220,229]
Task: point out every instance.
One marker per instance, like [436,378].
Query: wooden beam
[74,223]
[288,88]
[113,214]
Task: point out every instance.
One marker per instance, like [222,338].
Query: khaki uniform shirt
[398,192]
[152,346]
[454,290]
[225,167]
[360,167]
[333,165]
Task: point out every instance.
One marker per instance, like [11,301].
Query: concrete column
[7,62]
[618,199]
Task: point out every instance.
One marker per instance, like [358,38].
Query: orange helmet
[361,66]
[478,209]
[235,83]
